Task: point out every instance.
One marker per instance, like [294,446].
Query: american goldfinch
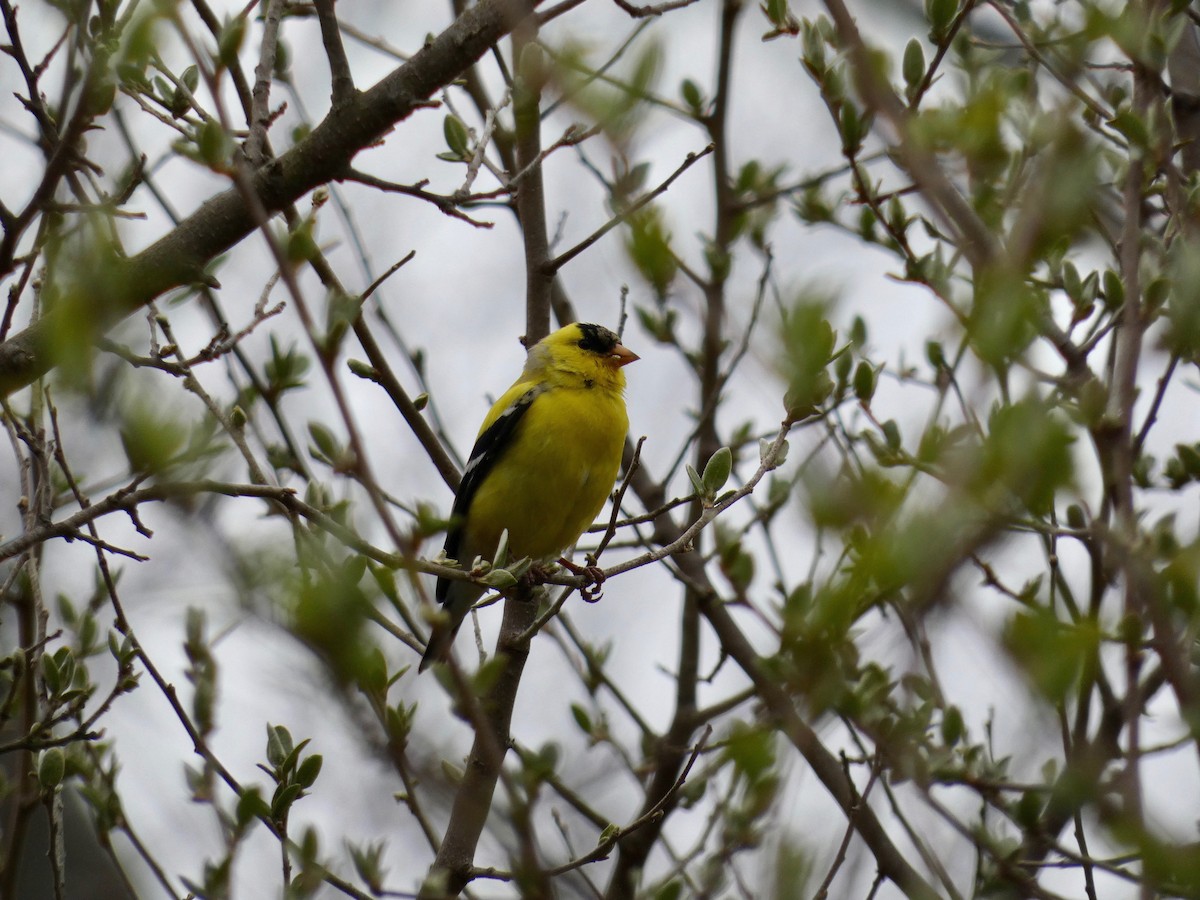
[545,460]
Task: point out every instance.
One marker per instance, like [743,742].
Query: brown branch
[891,861]
[446,205]
[654,9]
[387,379]
[339,66]
[648,817]
[260,110]
[180,257]
[129,498]
[531,195]
[977,241]
[453,868]
[566,256]
[670,751]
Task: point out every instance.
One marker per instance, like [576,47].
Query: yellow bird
[545,460]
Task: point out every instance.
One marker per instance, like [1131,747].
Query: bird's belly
[558,477]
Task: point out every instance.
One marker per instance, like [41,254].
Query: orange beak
[623,356]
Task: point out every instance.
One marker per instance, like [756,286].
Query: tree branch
[180,257]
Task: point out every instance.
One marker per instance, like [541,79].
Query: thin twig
[562,259]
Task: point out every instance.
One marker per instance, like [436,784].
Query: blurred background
[946,579]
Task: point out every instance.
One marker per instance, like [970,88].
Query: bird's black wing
[489,448]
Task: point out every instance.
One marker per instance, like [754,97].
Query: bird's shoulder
[496,435]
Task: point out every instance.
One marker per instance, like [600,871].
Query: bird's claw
[593,587]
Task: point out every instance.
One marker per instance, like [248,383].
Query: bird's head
[583,350]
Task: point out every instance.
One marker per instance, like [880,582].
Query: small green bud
[362,369]
[52,768]
[864,383]
[1075,517]
[717,471]
[457,137]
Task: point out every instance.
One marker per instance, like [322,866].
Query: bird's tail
[458,602]
[441,639]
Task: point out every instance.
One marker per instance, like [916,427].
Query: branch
[891,862]
[653,814]
[260,115]
[531,194]
[978,242]
[566,256]
[129,498]
[453,868]
[180,257]
[339,66]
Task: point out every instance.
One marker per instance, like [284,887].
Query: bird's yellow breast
[555,476]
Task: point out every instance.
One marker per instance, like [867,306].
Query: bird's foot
[593,587]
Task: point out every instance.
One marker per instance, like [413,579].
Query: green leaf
[251,806]
[374,676]
[764,449]
[327,447]
[500,579]
[858,332]
[368,864]
[194,631]
[935,354]
[179,100]
[751,750]
[308,770]
[1027,452]
[853,126]
[716,471]
[214,146]
[288,767]
[913,67]
[1183,299]
[808,341]
[51,674]
[279,745]
[458,139]
[940,14]
[841,368]
[301,246]
[399,723]
[1075,517]
[649,247]
[52,767]
[1114,290]
[953,728]
[204,702]
[151,441]
[891,434]
[864,383]
[283,61]
[1132,126]
[285,369]
[582,719]
[229,43]
[285,795]
[363,370]
[191,77]
[1051,653]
